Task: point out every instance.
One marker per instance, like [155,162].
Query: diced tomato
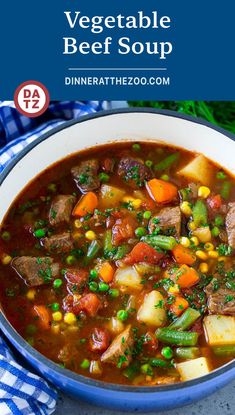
[197,327]
[123,229]
[150,342]
[142,252]
[76,279]
[89,303]
[99,340]
[214,202]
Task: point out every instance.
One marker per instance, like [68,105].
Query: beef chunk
[86,175]
[230,224]
[221,300]
[119,353]
[35,270]
[61,209]
[168,220]
[59,243]
[133,172]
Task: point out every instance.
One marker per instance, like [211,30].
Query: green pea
[167,352]
[6,236]
[103,286]
[215,231]
[136,147]
[114,292]
[52,187]
[40,233]
[146,369]
[31,329]
[93,274]
[70,260]
[122,315]
[147,214]
[139,232]
[104,177]
[148,163]
[219,221]
[57,283]
[85,364]
[221,175]
[165,177]
[55,307]
[93,286]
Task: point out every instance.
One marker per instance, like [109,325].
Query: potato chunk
[152,311]
[193,368]
[219,330]
[199,169]
[128,278]
[110,196]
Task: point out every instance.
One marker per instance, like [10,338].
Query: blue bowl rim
[8,329]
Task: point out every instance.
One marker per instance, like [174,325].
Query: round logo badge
[31,98]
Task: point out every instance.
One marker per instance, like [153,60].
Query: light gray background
[220,403]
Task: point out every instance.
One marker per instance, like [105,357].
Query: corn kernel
[194,240]
[184,241]
[77,223]
[186,208]
[201,255]
[90,235]
[31,294]
[137,203]
[203,267]
[55,328]
[209,246]
[213,254]
[76,235]
[222,258]
[70,318]
[174,289]
[57,316]
[203,192]
[192,226]
[128,199]
[6,259]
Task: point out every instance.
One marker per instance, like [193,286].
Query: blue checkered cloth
[22,392]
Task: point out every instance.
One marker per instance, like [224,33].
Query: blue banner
[119,50]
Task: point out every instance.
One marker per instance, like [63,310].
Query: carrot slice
[161,191]
[43,315]
[186,276]
[87,204]
[183,255]
[106,272]
[179,305]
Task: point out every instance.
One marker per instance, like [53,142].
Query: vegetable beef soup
[118,264]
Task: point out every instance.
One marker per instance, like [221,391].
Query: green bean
[225,190]
[108,246]
[93,249]
[200,213]
[160,241]
[156,362]
[175,337]
[187,352]
[226,351]
[167,162]
[122,250]
[186,320]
